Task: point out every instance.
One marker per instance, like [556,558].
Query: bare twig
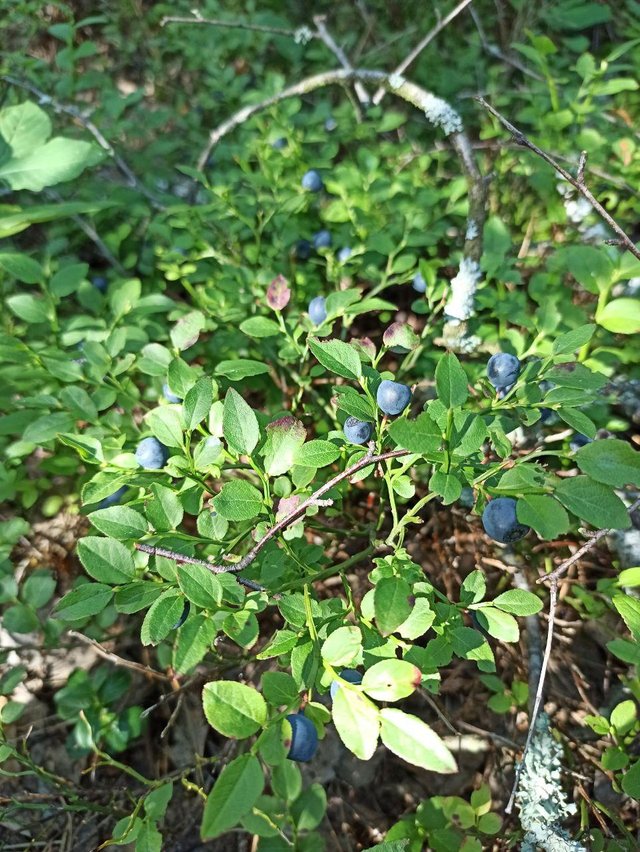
[576,182]
[196,18]
[495,51]
[324,35]
[561,569]
[79,116]
[120,661]
[294,515]
[553,599]
[417,50]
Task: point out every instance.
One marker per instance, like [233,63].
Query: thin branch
[417,50]
[294,515]
[324,35]
[79,115]
[120,661]
[553,600]
[564,567]
[196,18]
[576,182]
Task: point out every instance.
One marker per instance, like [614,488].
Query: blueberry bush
[321,396]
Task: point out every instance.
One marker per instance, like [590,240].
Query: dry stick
[417,50]
[576,182]
[561,569]
[294,515]
[120,661]
[230,25]
[324,35]
[78,115]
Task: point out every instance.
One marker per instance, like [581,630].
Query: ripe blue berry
[503,369]
[312,181]
[183,617]
[330,124]
[500,521]
[322,240]
[357,431]
[418,283]
[279,143]
[393,397]
[579,441]
[151,454]
[100,283]
[304,738]
[317,310]
[350,675]
[112,499]
[302,250]
[168,395]
[344,254]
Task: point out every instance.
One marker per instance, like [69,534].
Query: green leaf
[239,424]
[38,588]
[279,688]
[119,522]
[392,604]
[195,638]
[239,369]
[573,375]
[260,327]
[421,435]
[542,512]
[164,510]
[197,403]
[24,127]
[282,642]
[473,588]
[187,330]
[337,357]
[22,268]
[15,222]
[391,680]
[451,381]
[353,403]
[621,316]
[414,741]
[499,624]
[155,804]
[309,808]
[54,162]
[343,646]
[631,781]
[233,795]
[317,454]
[446,485]
[238,501]
[357,722]
[469,644]
[578,421]
[200,585]
[161,616]
[165,423]
[572,340]
[45,429]
[610,461]
[518,602]
[84,601]
[629,609]
[233,709]
[106,559]
[419,621]
[593,502]
[136,596]
[284,438]
[31,309]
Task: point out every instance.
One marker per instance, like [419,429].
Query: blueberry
[578,441]
[168,395]
[150,453]
[357,431]
[503,369]
[344,254]
[112,499]
[322,240]
[350,675]
[100,283]
[279,143]
[546,415]
[302,250]
[466,498]
[393,397]
[500,521]
[502,392]
[317,310]
[183,617]
[418,283]
[330,124]
[304,738]
[312,181]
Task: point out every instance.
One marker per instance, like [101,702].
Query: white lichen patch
[396,80]
[472,230]
[460,305]
[440,114]
[302,35]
